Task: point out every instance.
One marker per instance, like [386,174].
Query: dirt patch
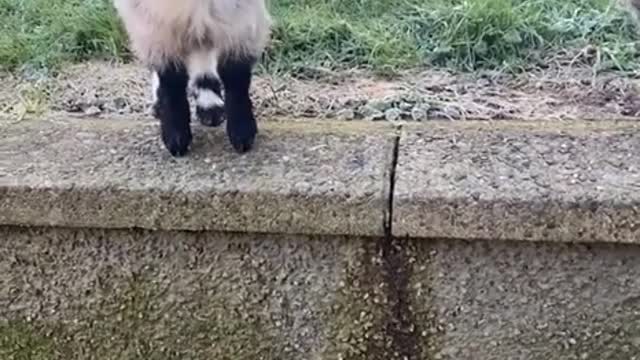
[563,93]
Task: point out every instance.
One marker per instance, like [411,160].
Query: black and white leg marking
[241,124]
[155,85]
[172,108]
[206,87]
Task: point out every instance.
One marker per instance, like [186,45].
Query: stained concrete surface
[526,300]
[543,181]
[82,289]
[115,174]
[124,294]
[569,181]
[113,294]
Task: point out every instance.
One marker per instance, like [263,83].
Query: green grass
[382,35]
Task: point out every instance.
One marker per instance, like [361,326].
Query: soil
[563,93]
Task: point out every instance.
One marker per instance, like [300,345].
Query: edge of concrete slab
[542,181]
[315,179]
[463,180]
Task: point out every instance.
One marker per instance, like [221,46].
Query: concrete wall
[116,294]
[513,300]
[138,294]
[328,241]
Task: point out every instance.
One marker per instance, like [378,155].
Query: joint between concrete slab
[441,180]
[391,181]
[400,326]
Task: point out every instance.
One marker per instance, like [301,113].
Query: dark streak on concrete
[400,326]
[391,182]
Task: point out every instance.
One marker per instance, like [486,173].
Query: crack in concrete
[400,325]
[391,181]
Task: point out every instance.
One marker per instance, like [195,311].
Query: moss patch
[131,325]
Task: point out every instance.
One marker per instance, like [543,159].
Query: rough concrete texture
[575,181]
[125,294]
[542,181]
[116,174]
[532,301]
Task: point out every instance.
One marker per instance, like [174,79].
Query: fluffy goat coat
[202,46]
[168,30]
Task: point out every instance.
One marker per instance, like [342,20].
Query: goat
[202,47]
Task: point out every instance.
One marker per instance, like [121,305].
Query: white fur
[208,99]
[155,85]
[202,62]
[161,31]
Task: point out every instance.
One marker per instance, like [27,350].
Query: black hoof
[242,139]
[177,142]
[155,111]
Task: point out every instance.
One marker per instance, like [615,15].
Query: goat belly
[161,31]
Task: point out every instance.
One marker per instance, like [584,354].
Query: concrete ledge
[536,181]
[75,281]
[544,181]
[115,174]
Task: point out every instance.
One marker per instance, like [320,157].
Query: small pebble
[346,114]
[379,104]
[92,110]
[392,114]
[371,113]
[419,113]
[405,106]
[120,103]
[375,116]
